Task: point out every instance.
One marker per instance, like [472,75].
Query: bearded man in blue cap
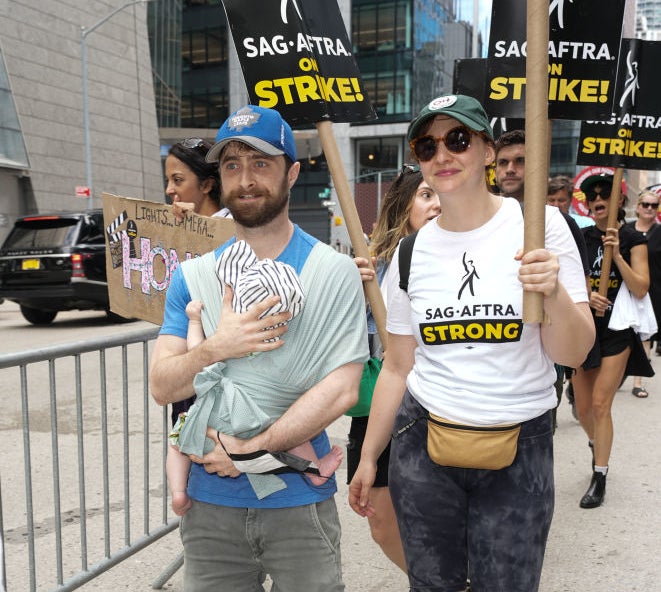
[305,370]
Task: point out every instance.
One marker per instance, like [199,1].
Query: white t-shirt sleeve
[398,305]
[560,242]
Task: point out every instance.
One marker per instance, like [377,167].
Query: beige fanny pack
[471,447]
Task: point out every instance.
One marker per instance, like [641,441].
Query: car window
[91,231]
[41,233]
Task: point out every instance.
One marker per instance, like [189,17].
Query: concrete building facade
[42,106]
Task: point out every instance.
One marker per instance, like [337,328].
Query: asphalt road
[16,334]
[613,548]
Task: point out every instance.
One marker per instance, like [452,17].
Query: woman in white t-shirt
[458,350]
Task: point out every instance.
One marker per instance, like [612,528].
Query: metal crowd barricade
[92,467]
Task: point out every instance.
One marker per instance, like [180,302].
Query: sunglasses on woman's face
[604,193]
[648,205]
[457,140]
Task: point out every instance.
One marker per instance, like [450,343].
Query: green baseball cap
[463,108]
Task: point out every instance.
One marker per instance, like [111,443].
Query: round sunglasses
[457,140]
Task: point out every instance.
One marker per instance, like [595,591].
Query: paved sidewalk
[614,548]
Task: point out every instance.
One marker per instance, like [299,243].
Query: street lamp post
[84,32]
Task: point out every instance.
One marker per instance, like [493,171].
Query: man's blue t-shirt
[238,492]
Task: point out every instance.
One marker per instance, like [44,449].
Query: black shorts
[354,448]
[607,343]
[610,343]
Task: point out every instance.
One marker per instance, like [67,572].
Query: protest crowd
[486,455]
[424,338]
[442,382]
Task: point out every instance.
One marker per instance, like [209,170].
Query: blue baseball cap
[262,129]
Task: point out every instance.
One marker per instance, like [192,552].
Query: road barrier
[92,468]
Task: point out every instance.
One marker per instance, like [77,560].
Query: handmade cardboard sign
[297,58]
[145,244]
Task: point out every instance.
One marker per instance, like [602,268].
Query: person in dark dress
[597,380]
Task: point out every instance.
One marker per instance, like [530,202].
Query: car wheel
[38,317]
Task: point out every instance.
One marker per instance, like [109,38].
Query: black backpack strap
[405,254]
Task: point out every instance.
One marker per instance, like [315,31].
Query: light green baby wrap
[244,396]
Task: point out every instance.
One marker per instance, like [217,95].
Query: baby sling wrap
[244,396]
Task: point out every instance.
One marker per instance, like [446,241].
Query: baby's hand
[194,310]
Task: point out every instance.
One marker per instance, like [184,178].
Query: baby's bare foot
[327,465]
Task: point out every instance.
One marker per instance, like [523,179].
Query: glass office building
[650,11]
[402,56]
[204,57]
[12,146]
[190,45]
[400,53]
[400,50]
[165,42]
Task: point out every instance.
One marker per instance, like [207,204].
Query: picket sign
[559,83]
[297,58]
[629,138]
[354,228]
[537,166]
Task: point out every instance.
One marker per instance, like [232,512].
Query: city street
[75,325]
[612,548]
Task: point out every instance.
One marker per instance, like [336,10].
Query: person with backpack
[466,389]
[408,205]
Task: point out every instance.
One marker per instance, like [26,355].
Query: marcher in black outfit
[597,381]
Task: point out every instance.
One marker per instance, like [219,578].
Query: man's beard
[249,215]
[516,191]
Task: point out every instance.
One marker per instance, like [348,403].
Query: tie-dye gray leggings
[449,518]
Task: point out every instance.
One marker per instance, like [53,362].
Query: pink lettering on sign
[144,264]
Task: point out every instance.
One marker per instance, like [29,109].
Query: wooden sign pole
[536,175]
[345,197]
[613,208]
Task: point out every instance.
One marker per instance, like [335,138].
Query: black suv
[54,262]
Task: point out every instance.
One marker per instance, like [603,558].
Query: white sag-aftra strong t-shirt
[476,362]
